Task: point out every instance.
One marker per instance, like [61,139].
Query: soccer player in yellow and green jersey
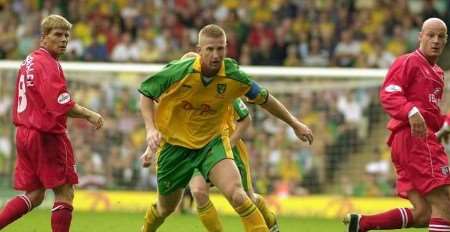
[186,128]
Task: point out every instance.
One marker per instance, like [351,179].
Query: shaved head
[434,23]
[432,38]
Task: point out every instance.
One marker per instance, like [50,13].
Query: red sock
[438,225]
[61,217]
[393,219]
[14,209]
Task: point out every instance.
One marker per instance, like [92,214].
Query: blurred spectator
[126,50]
[347,50]
[159,31]
[97,50]
[316,56]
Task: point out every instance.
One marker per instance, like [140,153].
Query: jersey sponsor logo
[434,97]
[203,109]
[63,98]
[445,170]
[393,88]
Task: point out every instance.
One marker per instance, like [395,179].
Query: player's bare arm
[93,117]
[153,137]
[278,110]
[241,127]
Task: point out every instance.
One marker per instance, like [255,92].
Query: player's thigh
[421,209]
[423,163]
[225,176]
[219,166]
[199,189]
[25,174]
[439,196]
[175,167]
[215,151]
[56,160]
[400,154]
[198,184]
[243,167]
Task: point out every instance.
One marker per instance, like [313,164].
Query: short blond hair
[54,22]
[189,55]
[212,31]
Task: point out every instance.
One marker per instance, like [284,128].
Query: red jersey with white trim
[413,81]
[41,99]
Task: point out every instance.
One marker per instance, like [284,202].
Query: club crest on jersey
[445,171]
[221,88]
[63,98]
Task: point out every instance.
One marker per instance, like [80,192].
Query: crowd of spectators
[109,158]
[359,33]
[347,33]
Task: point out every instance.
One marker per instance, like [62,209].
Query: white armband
[413,111]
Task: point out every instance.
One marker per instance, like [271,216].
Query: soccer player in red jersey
[410,95]
[41,106]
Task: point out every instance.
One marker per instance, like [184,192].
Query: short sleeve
[257,94]
[240,109]
[157,84]
[53,89]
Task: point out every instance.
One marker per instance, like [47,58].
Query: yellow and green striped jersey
[190,112]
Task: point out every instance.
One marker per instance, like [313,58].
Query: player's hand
[443,137]
[304,133]
[418,125]
[153,140]
[147,158]
[95,119]
[443,134]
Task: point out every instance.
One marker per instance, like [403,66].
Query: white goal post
[277,79]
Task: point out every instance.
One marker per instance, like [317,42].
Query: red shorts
[44,160]
[421,163]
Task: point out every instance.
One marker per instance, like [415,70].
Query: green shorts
[176,164]
[242,166]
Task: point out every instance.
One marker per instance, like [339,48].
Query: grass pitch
[39,221]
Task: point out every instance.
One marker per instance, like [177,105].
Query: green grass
[39,221]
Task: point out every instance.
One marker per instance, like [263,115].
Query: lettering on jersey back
[445,170]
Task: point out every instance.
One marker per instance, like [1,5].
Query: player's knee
[422,216]
[64,193]
[255,197]
[165,211]
[238,197]
[36,197]
[200,195]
